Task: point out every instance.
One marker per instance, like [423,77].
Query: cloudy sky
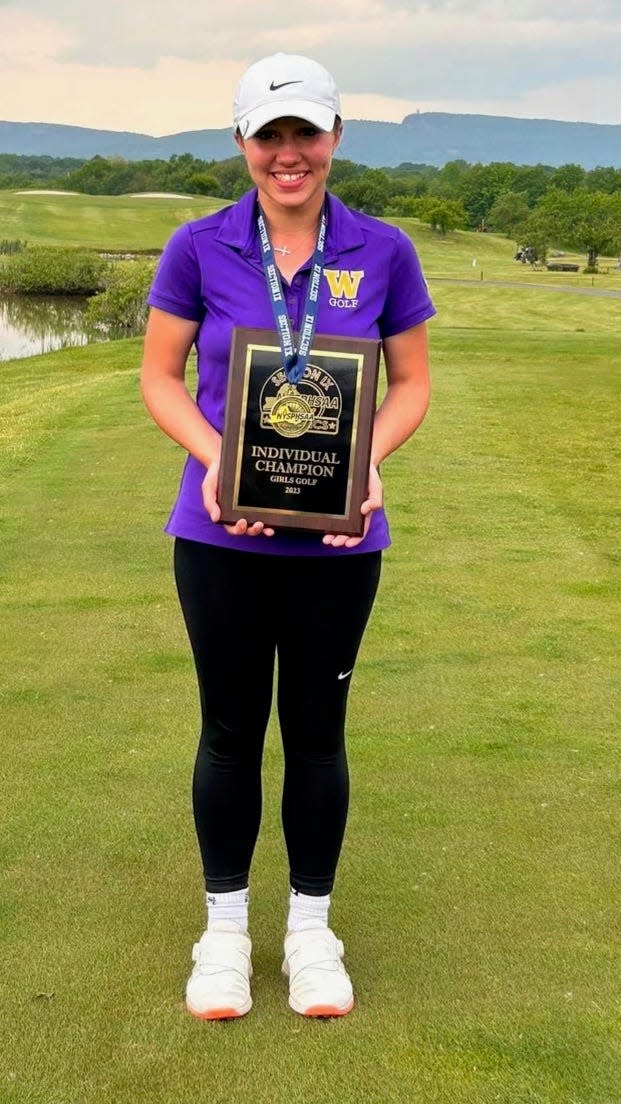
[159,67]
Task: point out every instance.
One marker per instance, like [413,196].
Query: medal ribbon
[294,360]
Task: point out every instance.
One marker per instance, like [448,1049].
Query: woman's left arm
[404,406]
[407,396]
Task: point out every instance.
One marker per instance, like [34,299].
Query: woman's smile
[289,178]
[289,161]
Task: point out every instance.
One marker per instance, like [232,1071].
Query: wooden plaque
[297,455]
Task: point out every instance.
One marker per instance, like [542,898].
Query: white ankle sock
[228,906]
[304,909]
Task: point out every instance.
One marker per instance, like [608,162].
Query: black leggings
[240,608]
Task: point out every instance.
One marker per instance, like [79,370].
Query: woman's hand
[210,502]
[373,502]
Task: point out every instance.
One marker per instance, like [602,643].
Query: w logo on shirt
[343,286]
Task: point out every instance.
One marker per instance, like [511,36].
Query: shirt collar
[344,231]
[239,228]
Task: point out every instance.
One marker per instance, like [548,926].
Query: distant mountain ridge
[431,138]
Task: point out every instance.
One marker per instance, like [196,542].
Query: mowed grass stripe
[526,310]
[478,889]
[98,222]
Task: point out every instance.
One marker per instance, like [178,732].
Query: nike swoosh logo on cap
[275,87]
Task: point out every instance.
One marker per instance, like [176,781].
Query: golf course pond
[33,324]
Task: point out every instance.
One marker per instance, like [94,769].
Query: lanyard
[294,360]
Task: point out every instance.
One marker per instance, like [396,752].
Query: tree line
[539,206]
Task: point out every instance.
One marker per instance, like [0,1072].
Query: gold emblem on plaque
[290,414]
[313,405]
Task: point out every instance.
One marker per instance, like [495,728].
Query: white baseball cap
[285,85]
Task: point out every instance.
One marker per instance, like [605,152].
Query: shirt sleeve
[176,287]
[407,299]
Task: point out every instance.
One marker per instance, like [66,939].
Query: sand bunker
[159,195]
[133,195]
[44,191]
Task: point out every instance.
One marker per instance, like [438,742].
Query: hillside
[432,138]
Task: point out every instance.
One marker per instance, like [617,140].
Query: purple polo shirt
[210,272]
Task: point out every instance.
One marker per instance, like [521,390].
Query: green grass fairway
[478,895]
[555,312]
[97,222]
[452,257]
[126,223]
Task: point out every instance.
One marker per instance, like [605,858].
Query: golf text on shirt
[344,286]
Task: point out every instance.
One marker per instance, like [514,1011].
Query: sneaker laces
[318,948]
[215,953]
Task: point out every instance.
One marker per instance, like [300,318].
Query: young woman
[238,585]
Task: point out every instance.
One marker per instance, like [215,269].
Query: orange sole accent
[328,1010]
[216,1014]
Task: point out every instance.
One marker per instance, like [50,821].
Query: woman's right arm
[168,341]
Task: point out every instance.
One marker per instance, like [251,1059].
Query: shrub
[443,214]
[404,206]
[49,271]
[9,246]
[123,306]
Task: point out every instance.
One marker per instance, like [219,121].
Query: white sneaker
[319,984]
[219,986]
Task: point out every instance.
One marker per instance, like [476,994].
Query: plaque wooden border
[363,355]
